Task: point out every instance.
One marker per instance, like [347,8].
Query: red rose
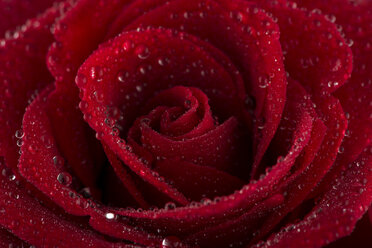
[211,123]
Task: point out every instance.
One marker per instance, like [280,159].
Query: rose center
[179,124]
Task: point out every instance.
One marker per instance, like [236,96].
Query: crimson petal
[22,66]
[17,12]
[197,181]
[25,217]
[7,239]
[298,187]
[146,76]
[227,207]
[201,150]
[355,95]
[39,165]
[258,56]
[77,34]
[315,52]
[337,212]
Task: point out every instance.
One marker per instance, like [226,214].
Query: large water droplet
[110,216]
[81,80]
[58,161]
[96,73]
[142,52]
[170,242]
[19,134]
[170,206]
[64,178]
[122,75]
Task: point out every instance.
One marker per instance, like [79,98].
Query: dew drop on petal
[139,88]
[170,242]
[58,161]
[170,206]
[122,75]
[64,178]
[142,52]
[80,80]
[19,134]
[127,45]
[110,216]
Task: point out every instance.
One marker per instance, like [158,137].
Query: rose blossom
[209,123]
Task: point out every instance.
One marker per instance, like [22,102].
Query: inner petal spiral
[181,126]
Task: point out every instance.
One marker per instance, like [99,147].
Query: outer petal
[8,240]
[38,164]
[197,181]
[17,12]
[315,52]
[25,217]
[77,34]
[23,74]
[337,212]
[355,95]
[360,237]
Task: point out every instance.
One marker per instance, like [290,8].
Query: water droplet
[12,177]
[349,42]
[86,192]
[142,52]
[99,96]
[280,159]
[110,216]
[332,84]
[162,61]
[96,73]
[58,161]
[341,149]
[81,80]
[19,134]
[64,178]
[32,149]
[139,88]
[122,75]
[19,143]
[83,105]
[127,45]
[263,81]
[170,206]
[170,242]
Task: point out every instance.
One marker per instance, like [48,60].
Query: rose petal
[337,212]
[316,54]
[360,237]
[258,56]
[37,165]
[25,217]
[77,34]
[41,163]
[125,177]
[197,182]
[7,239]
[146,76]
[197,118]
[228,207]
[234,232]
[117,229]
[215,148]
[82,152]
[355,19]
[17,12]
[298,187]
[22,65]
